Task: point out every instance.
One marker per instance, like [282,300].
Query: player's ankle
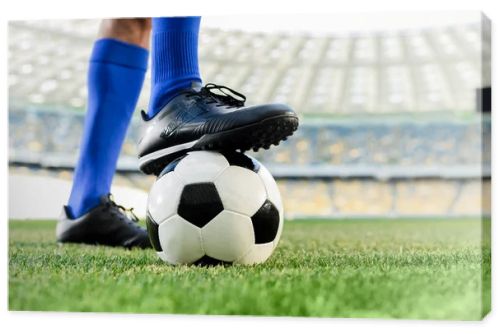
[162,94]
[80,207]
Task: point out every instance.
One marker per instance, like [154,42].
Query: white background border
[33,322]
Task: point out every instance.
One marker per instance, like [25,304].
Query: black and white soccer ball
[209,208]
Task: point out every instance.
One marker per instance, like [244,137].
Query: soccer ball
[214,208]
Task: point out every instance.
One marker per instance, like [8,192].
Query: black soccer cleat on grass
[108,224]
[211,118]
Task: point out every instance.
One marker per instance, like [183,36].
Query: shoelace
[129,213]
[222,95]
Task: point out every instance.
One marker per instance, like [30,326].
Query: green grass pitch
[430,269]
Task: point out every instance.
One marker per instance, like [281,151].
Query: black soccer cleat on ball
[108,224]
[211,118]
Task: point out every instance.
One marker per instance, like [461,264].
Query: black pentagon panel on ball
[207,261]
[266,222]
[171,166]
[152,228]
[241,160]
[200,203]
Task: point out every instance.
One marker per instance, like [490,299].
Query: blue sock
[174,55]
[115,78]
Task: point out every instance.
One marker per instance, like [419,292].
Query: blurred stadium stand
[418,71]
[389,122]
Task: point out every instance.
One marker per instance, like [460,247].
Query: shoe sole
[255,136]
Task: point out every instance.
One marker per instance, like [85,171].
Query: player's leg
[184,116]
[174,59]
[115,76]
